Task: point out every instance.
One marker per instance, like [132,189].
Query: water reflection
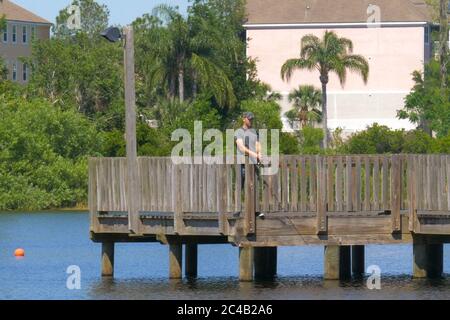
[289,288]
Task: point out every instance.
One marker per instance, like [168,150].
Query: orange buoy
[19,252]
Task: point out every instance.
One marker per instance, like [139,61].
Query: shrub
[375,140]
[43,155]
[417,142]
[310,140]
[289,144]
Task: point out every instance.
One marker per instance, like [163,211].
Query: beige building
[15,40]
[393,35]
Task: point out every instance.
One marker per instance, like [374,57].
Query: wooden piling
[428,260]
[191,256]
[265,260]
[175,261]
[246,256]
[337,264]
[435,260]
[358,257]
[107,259]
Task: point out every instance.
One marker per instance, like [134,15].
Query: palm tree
[187,48]
[331,54]
[156,66]
[306,101]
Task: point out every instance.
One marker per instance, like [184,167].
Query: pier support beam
[337,262]
[246,256]
[428,260]
[191,256]
[175,261]
[265,260]
[358,261]
[107,259]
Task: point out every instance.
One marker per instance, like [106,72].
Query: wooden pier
[340,202]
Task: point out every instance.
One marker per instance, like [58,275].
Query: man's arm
[240,144]
[258,149]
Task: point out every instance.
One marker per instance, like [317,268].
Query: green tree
[79,71]
[3,69]
[306,102]
[332,54]
[427,105]
[179,49]
[227,19]
[43,154]
[94,19]
[77,68]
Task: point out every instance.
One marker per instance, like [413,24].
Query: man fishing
[248,145]
[247,140]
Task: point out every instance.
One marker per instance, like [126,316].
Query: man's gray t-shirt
[249,137]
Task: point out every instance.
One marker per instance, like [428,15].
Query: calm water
[54,241]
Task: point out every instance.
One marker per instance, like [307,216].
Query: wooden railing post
[412,180]
[93,182]
[396,193]
[321,195]
[250,198]
[178,222]
[348,183]
[222,198]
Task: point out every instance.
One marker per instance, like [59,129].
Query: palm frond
[214,79]
[358,64]
[347,44]
[166,13]
[338,67]
[292,65]
[309,43]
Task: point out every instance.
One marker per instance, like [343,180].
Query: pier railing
[214,199]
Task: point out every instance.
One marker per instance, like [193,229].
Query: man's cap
[249,115]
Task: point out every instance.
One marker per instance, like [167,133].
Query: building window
[33,33]
[427,34]
[25,72]
[5,35]
[14,34]
[24,34]
[14,71]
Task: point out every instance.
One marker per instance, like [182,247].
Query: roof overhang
[333,25]
[49,24]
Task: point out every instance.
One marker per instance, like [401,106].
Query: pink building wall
[393,54]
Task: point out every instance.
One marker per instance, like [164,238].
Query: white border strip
[326,25]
